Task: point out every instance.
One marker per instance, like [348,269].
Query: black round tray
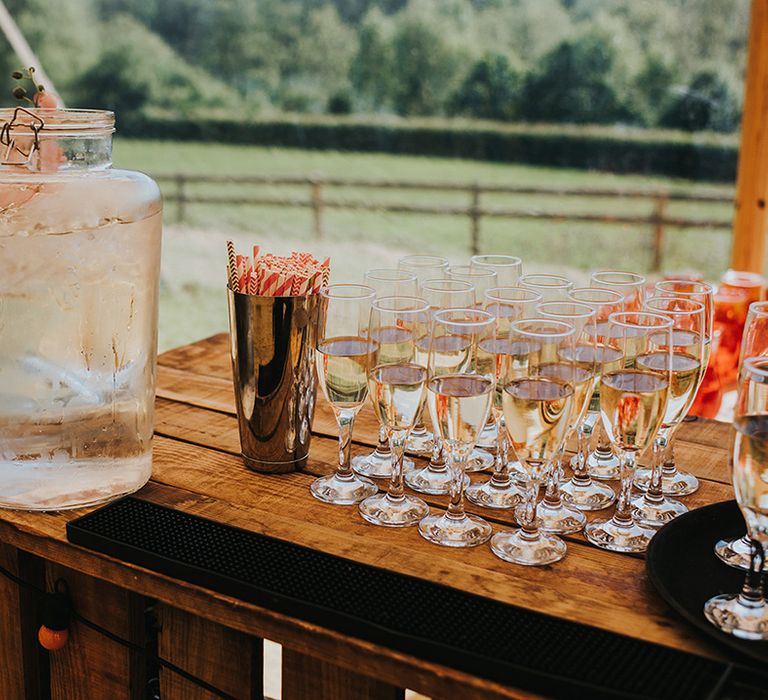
[682,565]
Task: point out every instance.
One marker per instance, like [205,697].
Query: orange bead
[52,640]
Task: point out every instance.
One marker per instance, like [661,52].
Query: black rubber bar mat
[477,635]
[684,568]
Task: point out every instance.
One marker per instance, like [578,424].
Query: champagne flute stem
[668,459]
[397,440]
[623,514]
[346,420]
[552,494]
[383,447]
[437,462]
[753,583]
[528,524]
[580,471]
[500,476]
[654,493]
[456,457]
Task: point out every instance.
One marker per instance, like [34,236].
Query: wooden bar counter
[197,469]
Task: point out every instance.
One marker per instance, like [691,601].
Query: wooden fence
[176,191]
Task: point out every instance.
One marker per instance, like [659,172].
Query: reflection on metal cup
[273,345]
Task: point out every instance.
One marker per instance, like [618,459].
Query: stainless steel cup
[273,349]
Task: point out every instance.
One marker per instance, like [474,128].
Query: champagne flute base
[591,496]
[737,553]
[604,466]
[450,531]
[518,547]
[619,537]
[558,520]
[487,495]
[734,614]
[342,491]
[386,511]
[431,481]
[677,484]
[377,465]
[656,514]
[479,460]
[420,442]
[488,437]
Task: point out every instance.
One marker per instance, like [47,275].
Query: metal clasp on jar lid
[7,139]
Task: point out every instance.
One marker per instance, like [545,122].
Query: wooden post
[474,219]
[749,224]
[181,198]
[662,198]
[316,186]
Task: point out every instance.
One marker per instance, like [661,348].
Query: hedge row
[685,157]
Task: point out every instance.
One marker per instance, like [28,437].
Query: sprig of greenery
[21,93]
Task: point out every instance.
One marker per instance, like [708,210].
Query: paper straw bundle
[298,274]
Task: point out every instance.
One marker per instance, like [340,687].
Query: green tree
[650,90]
[490,91]
[425,68]
[706,103]
[372,69]
[573,85]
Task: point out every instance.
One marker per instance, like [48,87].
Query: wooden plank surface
[197,469]
[225,658]
[11,659]
[91,665]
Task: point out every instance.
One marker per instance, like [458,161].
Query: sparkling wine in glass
[745,614]
[460,393]
[387,282]
[397,387]
[440,294]
[508,268]
[577,364]
[602,464]
[675,482]
[344,357]
[687,316]
[551,287]
[507,304]
[738,552]
[633,402]
[538,409]
[630,285]
[425,267]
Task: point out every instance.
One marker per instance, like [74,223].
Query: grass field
[192,300]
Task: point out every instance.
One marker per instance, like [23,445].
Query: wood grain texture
[227,659]
[91,665]
[749,225]
[11,659]
[36,669]
[309,677]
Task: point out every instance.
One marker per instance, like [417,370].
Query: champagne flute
[653,507]
[387,282]
[461,389]
[630,285]
[440,294]
[343,360]
[507,304]
[602,463]
[551,287]
[397,387]
[575,363]
[673,481]
[738,552]
[745,615]
[633,400]
[482,278]
[508,268]
[537,412]
[425,267]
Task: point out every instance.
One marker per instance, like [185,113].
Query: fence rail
[317,200]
